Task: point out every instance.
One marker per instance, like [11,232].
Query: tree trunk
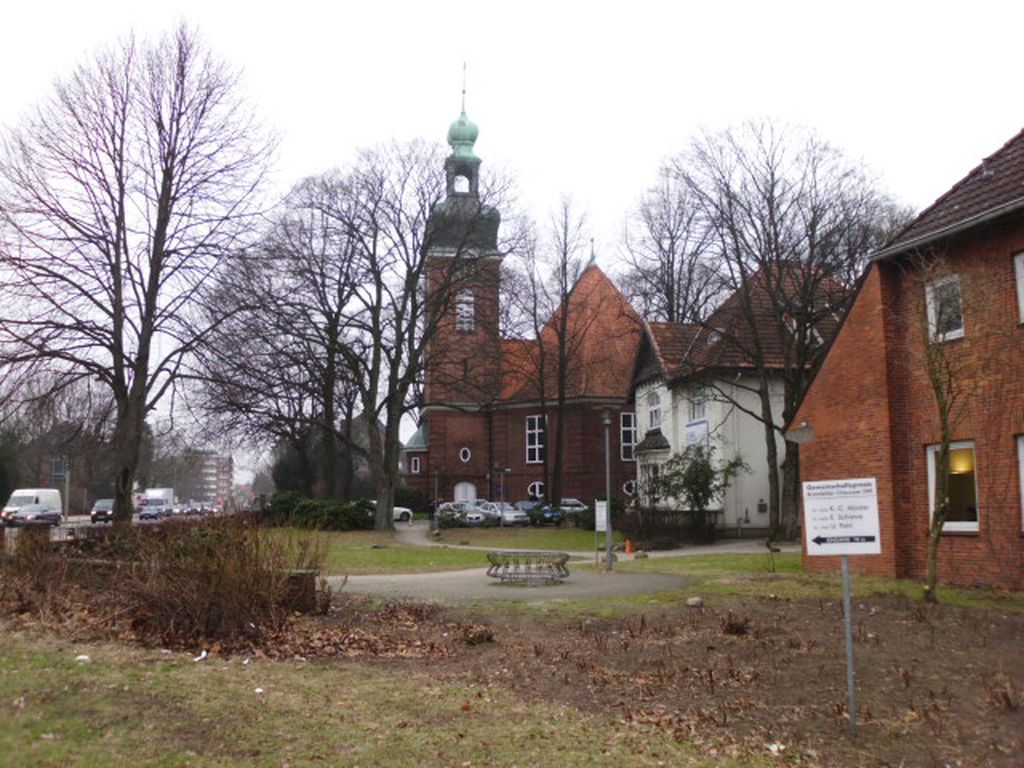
[791,492]
[127,444]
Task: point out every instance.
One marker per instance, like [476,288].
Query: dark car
[151,512]
[35,514]
[102,511]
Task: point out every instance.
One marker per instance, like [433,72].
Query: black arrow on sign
[842,539]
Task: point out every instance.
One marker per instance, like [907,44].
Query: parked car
[572,506]
[546,515]
[503,513]
[526,505]
[474,517]
[35,513]
[102,511]
[451,509]
[398,514]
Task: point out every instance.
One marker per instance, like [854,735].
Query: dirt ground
[936,685]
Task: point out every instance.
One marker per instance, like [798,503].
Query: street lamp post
[502,473]
[606,417]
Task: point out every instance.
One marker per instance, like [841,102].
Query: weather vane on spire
[463,87]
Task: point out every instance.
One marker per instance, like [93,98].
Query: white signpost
[600,525]
[841,518]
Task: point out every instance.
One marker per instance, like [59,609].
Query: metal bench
[524,567]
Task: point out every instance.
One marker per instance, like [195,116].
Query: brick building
[953,277]
[489,408]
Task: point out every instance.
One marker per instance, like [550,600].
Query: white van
[48,496]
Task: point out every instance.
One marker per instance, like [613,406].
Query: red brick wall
[464,366]
[850,388]
[499,437]
[848,409]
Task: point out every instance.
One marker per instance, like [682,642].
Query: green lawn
[135,707]
[366,552]
[559,539]
[751,575]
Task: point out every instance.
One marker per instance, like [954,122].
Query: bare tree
[273,370]
[120,195]
[791,222]
[670,275]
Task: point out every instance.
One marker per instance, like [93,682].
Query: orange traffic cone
[629,547]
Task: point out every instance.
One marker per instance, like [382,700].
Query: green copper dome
[462,136]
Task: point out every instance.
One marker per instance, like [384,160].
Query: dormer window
[465,316]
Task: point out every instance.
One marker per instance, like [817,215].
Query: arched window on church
[464,311]
[461,184]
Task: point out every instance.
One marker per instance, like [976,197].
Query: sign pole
[847,615]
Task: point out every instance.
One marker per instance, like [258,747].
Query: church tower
[463,276]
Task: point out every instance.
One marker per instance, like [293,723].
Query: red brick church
[489,415]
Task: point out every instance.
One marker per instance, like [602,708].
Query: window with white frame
[697,409]
[629,487]
[1020,474]
[465,455]
[962,494]
[464,311]
[1018,269]
[535,490]
[414,465]
[627,436]
[653,410]
[945,309]
[536,439]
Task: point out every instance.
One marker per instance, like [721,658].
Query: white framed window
[697,410]
[629,487]
[414,465]
[535,490]
[465,455]
[653,410]
[627,436]
[536,439]
[962,513]
[1018,271]
[1020,474]
[945,309]
[465,314]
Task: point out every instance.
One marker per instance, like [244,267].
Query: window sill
[954,534]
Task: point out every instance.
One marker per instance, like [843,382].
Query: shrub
[180,582]
[333,515]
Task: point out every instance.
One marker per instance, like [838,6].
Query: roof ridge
[979,168]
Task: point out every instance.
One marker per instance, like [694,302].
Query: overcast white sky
[581,98]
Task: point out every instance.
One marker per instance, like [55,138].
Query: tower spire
[463,87]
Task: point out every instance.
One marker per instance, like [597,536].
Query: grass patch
[560,539]
[372,552]
[132,707]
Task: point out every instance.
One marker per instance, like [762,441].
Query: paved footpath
[473,583]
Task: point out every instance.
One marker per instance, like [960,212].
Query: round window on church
[629,487]
[465,455]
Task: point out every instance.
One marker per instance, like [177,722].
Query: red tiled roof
[995,186]
[604,332]
[672,343]
[731,335]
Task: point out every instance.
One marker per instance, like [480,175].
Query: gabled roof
[604,330]
[728,337]
[993,189]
